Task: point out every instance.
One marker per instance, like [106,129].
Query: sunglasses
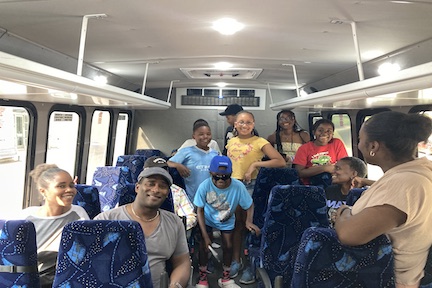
[221,177]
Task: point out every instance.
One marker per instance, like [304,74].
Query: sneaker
[247,277]
[215,245]
[235,268]
[227,284]
[202,283]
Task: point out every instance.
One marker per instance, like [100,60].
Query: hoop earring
[371,153]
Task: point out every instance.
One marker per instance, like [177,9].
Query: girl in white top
[288,136]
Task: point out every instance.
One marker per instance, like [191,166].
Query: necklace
[145,220]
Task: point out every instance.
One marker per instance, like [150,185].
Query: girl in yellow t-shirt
[246,151]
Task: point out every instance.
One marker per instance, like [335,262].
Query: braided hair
[296,129]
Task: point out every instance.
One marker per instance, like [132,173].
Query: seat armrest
[262,274]
[164,280]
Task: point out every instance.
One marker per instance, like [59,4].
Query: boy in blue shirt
[216,200]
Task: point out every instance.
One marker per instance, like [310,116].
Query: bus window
[342,123]
[120,136]
[425,149]
[62,140]
[13,157]
[98,142]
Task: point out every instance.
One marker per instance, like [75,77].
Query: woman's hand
[343,209]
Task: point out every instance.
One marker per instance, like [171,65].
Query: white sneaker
[215,245]
[216,234]
[228,284]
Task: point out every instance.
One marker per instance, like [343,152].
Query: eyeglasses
[223,177]
[241,123]
[286,119]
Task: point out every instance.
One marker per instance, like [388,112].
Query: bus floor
[217,273]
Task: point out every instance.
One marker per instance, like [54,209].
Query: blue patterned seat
[135,163]
[111,183]
[102,253]
[426,281]
[149,152]
[322,261]
[177,179]
[291,210]
[88,197]
[130,195]
[18,254]
[322,180]
[266,179]
[353,195]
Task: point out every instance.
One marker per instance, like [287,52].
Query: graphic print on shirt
[321,158]
[219,203]
[239,151]
[202,168]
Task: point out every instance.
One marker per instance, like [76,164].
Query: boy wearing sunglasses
[216,200]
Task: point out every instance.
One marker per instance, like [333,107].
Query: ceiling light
[303,93]
[336,21]
[7,87]
[402,2]
[388,69]
[100,79]
[223,65]
[221,84]
[227,26]
[61,94]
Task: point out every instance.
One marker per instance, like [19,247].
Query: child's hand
[329,168]
[183,171]
[207,242]
[247,177]
[253,228]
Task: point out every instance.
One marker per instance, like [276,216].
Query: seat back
[322,261]
[266,179]
[177,178]
[111,183]
[88,197]
[130,194]
[102,253]
[291,210]
[322,180]
[135,163]
[353,195]
[18,254]
[426,281]
[149,152]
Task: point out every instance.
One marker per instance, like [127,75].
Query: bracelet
[175,285]
[345,208]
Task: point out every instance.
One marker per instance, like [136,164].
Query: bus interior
[83,82]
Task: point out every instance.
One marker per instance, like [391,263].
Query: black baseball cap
[155,166]
[232,109]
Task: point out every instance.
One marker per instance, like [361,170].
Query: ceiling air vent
[205,73]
